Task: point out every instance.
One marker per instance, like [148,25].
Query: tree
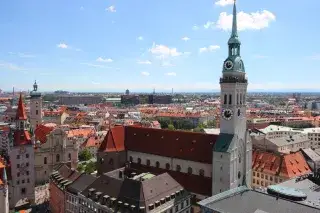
[211,124]
[81,168]
[85,155]
[171,127]
[91,167]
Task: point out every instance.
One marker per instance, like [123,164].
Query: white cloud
[95,83]
[144,62]
[140,38]
[195,27]
[111,9]
[95,65]
[210,48]
[105,60]
[209,24]
[10,66]
[163,51]
[171,74]
[315,57]
[62,46]
[246,21]
[185,38]
[223,3]
[145,73]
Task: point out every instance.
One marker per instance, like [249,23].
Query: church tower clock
[232,151]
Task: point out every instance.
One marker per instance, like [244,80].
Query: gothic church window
[45,160]
[237,98]
[230,99]
[148,162]
[57,158]
[167,166]
[157,164]
[225,98]
[139,160]
[239,175]
[201,172]
[69,156]
[178,168]
[189,170]
[240,98]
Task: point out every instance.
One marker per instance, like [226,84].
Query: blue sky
[111,45]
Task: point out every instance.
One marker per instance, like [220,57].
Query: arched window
[45,160]
[69,156]
[240,98]
[157,164]
[167,166]
[201,172]
[111,161]
[239,175]
[189,170]
[225,99]
[230,99]
[139,160]
[131,159]
[178,168]
[148,162]
[57,158]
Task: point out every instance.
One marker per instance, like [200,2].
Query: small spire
[21,111]
[234,21]
[35,86]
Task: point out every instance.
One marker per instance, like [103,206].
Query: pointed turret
[234,34]
[35,86]
[21,111]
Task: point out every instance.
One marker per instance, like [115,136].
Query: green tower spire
[234,39]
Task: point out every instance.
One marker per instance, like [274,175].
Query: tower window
[139,160]
[37,112]
[57,158]
[167,166]
[189,170]
[148,162]
[230,99]
[157,164]
[178,168]
[237,98]
[45,160]
[225,99]
[240,98]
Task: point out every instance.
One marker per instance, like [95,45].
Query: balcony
[233,79]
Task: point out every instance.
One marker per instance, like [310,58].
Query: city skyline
[112,46]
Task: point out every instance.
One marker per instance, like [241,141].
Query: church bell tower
[232,151]
[35,107]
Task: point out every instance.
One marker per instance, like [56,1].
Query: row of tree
[185,124]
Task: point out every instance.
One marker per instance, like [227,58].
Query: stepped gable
[114,140]
[175,144]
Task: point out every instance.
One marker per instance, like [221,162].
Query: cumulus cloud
[210,48]
[145,73]
[105,60]
[164,51]
[111,9]
[246,21]
[62,46]
[223,3]
[10,66]
[209,24]
[144,62]
[171,74]
[185,38]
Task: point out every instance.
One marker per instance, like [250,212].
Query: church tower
[35,107]
[21,160]
[232,151]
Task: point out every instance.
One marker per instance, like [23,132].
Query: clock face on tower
[227,114]
[228,65]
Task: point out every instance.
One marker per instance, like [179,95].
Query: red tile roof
[286,165]
[42,131]
[192,183]
[22,137]
[176,144]
[21,111]
[93,141]
[114,140]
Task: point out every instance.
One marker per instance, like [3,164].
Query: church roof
[21,111]
[42,131]
[114,140]
[223,142]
